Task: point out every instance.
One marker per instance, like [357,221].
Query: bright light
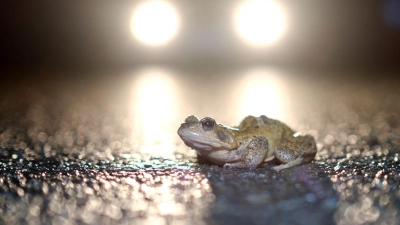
[154,110]
[263,93]
[260,22]
[155,22]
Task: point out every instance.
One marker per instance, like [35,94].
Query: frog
[256,141]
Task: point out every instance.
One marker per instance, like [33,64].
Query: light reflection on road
[262,92]
[93,151]
[154,108]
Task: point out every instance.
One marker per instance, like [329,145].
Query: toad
[255,141]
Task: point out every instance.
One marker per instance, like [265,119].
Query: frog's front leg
[295,151]
[254,152]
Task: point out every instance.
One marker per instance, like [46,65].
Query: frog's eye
[208,123]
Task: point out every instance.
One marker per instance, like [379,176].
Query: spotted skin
[254,153]
[256,140]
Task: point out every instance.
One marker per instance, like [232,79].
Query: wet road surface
[103,148]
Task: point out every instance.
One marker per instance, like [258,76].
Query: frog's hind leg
[295,162]
[299,150]
[255,150]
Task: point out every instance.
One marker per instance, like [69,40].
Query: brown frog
[255,141]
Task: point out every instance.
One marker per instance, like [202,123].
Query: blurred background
[152,63]
[159,61]
[96,90]
[103,34]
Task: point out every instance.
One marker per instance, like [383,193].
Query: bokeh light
[155,22]
[259,22]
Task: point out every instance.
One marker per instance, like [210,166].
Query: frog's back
[273,130]
[264,126]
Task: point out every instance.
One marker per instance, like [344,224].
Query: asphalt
[68,156]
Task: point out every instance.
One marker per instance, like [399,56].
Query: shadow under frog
[255,141]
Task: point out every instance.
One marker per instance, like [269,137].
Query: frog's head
[206,134]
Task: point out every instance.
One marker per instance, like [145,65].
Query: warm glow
[155,22]
[263,93]
[154,110]
[259,22]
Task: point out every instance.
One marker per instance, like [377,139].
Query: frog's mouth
[199,142]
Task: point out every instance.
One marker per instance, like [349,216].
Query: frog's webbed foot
[255,150]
